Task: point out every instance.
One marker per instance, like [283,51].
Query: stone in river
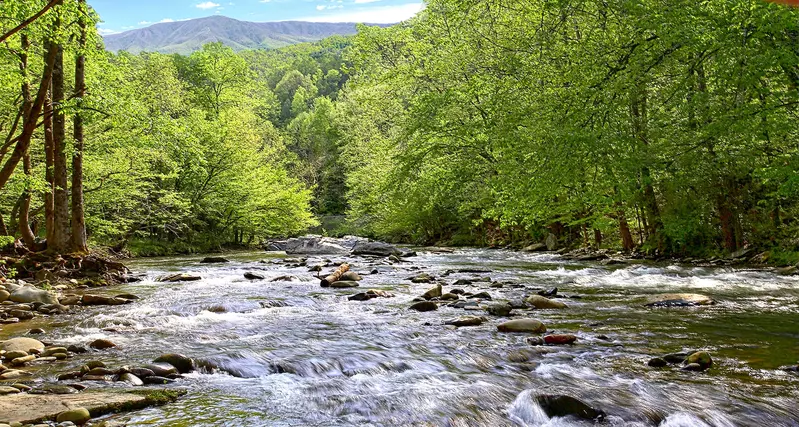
[676,358]
[433,292]
[424,306]
[21,344]
[344,284]
[131,379]
[466,321]
[13,374]
[182,363]
[351,276]
[549,293]
[693,367]
[522,325]
[564,406]
[679,300]
[29,294]
[13,354]
[701,358]
[214,260]
[422,278]
[252,276]
[499,309]
[78,416]
[480,295]
[4,295]
[101,344]
[540,302]
[560,339]
[8,390]
[157,380]
[180,277]
[160,369]
[657,362]
[449,297]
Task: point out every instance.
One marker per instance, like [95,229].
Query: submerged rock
[564,406]
[344,284]
[499,309]
[351,276]
[253,276]
[423,278]
[424,306]
[657,362]
[180,277]
[466,321]
[101,344]
[522,325]
[679,300]
[214,260]
[540,302]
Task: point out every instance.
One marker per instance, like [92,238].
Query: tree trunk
[627,242]
[3,228]
[27,106]
[597,238]
[638,110]
[78,215]
[61,242]
[48,159]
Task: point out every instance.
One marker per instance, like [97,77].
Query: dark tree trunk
[78,216]
[3,228]
[61,241]
[597,238]
[627,242]
[48,174]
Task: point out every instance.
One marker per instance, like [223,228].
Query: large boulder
[21,344]
[30,294]
[375,249]
[565,406]
[182,363]
[311,245]
[679,300]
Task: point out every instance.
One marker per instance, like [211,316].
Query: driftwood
[336,276]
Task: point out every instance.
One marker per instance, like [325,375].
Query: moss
[152,397]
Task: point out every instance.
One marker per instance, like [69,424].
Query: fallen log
[336,276]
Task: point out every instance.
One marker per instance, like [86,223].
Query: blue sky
[124,15]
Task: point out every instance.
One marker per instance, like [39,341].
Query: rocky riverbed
[461,338]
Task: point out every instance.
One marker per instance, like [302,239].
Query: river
[304,355]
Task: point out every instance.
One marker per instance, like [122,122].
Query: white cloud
[365,1]
[207,5]
[145,22]
[328,7]
[106,31]
[166,20]
[374,15]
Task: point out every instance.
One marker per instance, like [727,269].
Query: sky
[124,15]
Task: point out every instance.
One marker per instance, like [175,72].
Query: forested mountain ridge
[185,37]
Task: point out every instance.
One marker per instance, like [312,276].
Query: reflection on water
[311,357]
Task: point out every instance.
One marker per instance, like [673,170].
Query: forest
[665,128]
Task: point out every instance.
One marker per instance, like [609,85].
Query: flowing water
[313,358]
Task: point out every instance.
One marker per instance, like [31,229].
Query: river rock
[13,354]
[78,416]
[89,299]
[157,380]
[466,321]
[375,249]
[701,358]
[22,360]
[564,406]
[693,367]
[679,300]
[549,293]
[313,245]
[522,325]
[131,379]
[14,374]
[657,362]
[351,276]
[180,277]
[142,372]
[36,331]
[252,276]
[182,363]
[54,389]
[30,294]
[344,284]
[214,260]
[560,339]
[101,344]
[4,390]
[435,292]
[160,369]
[22,344]
[422,278]
[480,295]
[70,300]
[499,309]
[449,297]
[675,358]
[540,302]
[4,295]
[424,306]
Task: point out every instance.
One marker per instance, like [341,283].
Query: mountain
[185,37]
